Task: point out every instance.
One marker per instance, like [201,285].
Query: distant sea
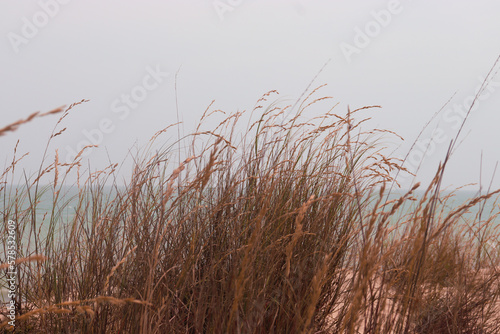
[66,208]
[484,208]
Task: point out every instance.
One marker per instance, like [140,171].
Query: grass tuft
[286,227]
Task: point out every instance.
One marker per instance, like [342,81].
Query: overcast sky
[410,57]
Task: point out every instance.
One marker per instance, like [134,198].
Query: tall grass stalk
[284,228]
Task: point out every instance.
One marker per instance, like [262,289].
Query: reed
[284,227]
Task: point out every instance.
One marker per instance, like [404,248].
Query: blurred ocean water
[69,199]
[16,204]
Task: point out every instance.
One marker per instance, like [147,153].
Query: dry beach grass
[285,227]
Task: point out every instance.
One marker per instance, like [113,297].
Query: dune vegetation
[260,224]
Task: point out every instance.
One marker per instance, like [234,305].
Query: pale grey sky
[409,57]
